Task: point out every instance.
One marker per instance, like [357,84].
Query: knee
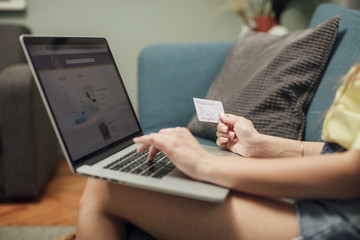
[94,198]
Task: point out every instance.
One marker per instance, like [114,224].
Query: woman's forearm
[270,146]
[239,135]
[335,176]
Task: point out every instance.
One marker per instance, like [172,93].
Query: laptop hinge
[101,156]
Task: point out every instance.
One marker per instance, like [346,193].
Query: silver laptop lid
[84,93]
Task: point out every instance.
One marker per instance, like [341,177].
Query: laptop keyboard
[135,163]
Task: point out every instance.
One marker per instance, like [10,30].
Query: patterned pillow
[271,80]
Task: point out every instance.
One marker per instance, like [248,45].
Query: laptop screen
[85,93]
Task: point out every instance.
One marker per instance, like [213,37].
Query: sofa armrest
[170,75]
[29,147]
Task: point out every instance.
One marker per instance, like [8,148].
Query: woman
[326,187]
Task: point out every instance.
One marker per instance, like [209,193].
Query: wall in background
[299,12]
[130,25]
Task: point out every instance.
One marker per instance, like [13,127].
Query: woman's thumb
[228,119]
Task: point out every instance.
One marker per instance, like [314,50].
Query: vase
[264,23]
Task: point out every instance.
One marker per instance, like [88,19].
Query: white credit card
[208,110]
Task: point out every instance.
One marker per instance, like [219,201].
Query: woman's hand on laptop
[180,146]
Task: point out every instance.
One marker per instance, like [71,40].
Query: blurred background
[130,25]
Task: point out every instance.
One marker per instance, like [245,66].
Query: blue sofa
[171,74]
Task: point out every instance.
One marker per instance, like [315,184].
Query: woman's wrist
[207,169]
[261,146]
[266,146]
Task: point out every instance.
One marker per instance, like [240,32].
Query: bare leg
[170,217]
[94,223]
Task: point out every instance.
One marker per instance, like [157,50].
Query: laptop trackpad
[177,173]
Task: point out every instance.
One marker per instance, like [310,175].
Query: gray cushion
[271,80]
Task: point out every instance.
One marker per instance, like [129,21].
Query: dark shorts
[328,219]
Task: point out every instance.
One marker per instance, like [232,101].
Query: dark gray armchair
[28,148]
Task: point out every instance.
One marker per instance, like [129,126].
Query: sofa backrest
[345,54]
[170,75]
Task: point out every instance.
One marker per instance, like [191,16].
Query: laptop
[94,119]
